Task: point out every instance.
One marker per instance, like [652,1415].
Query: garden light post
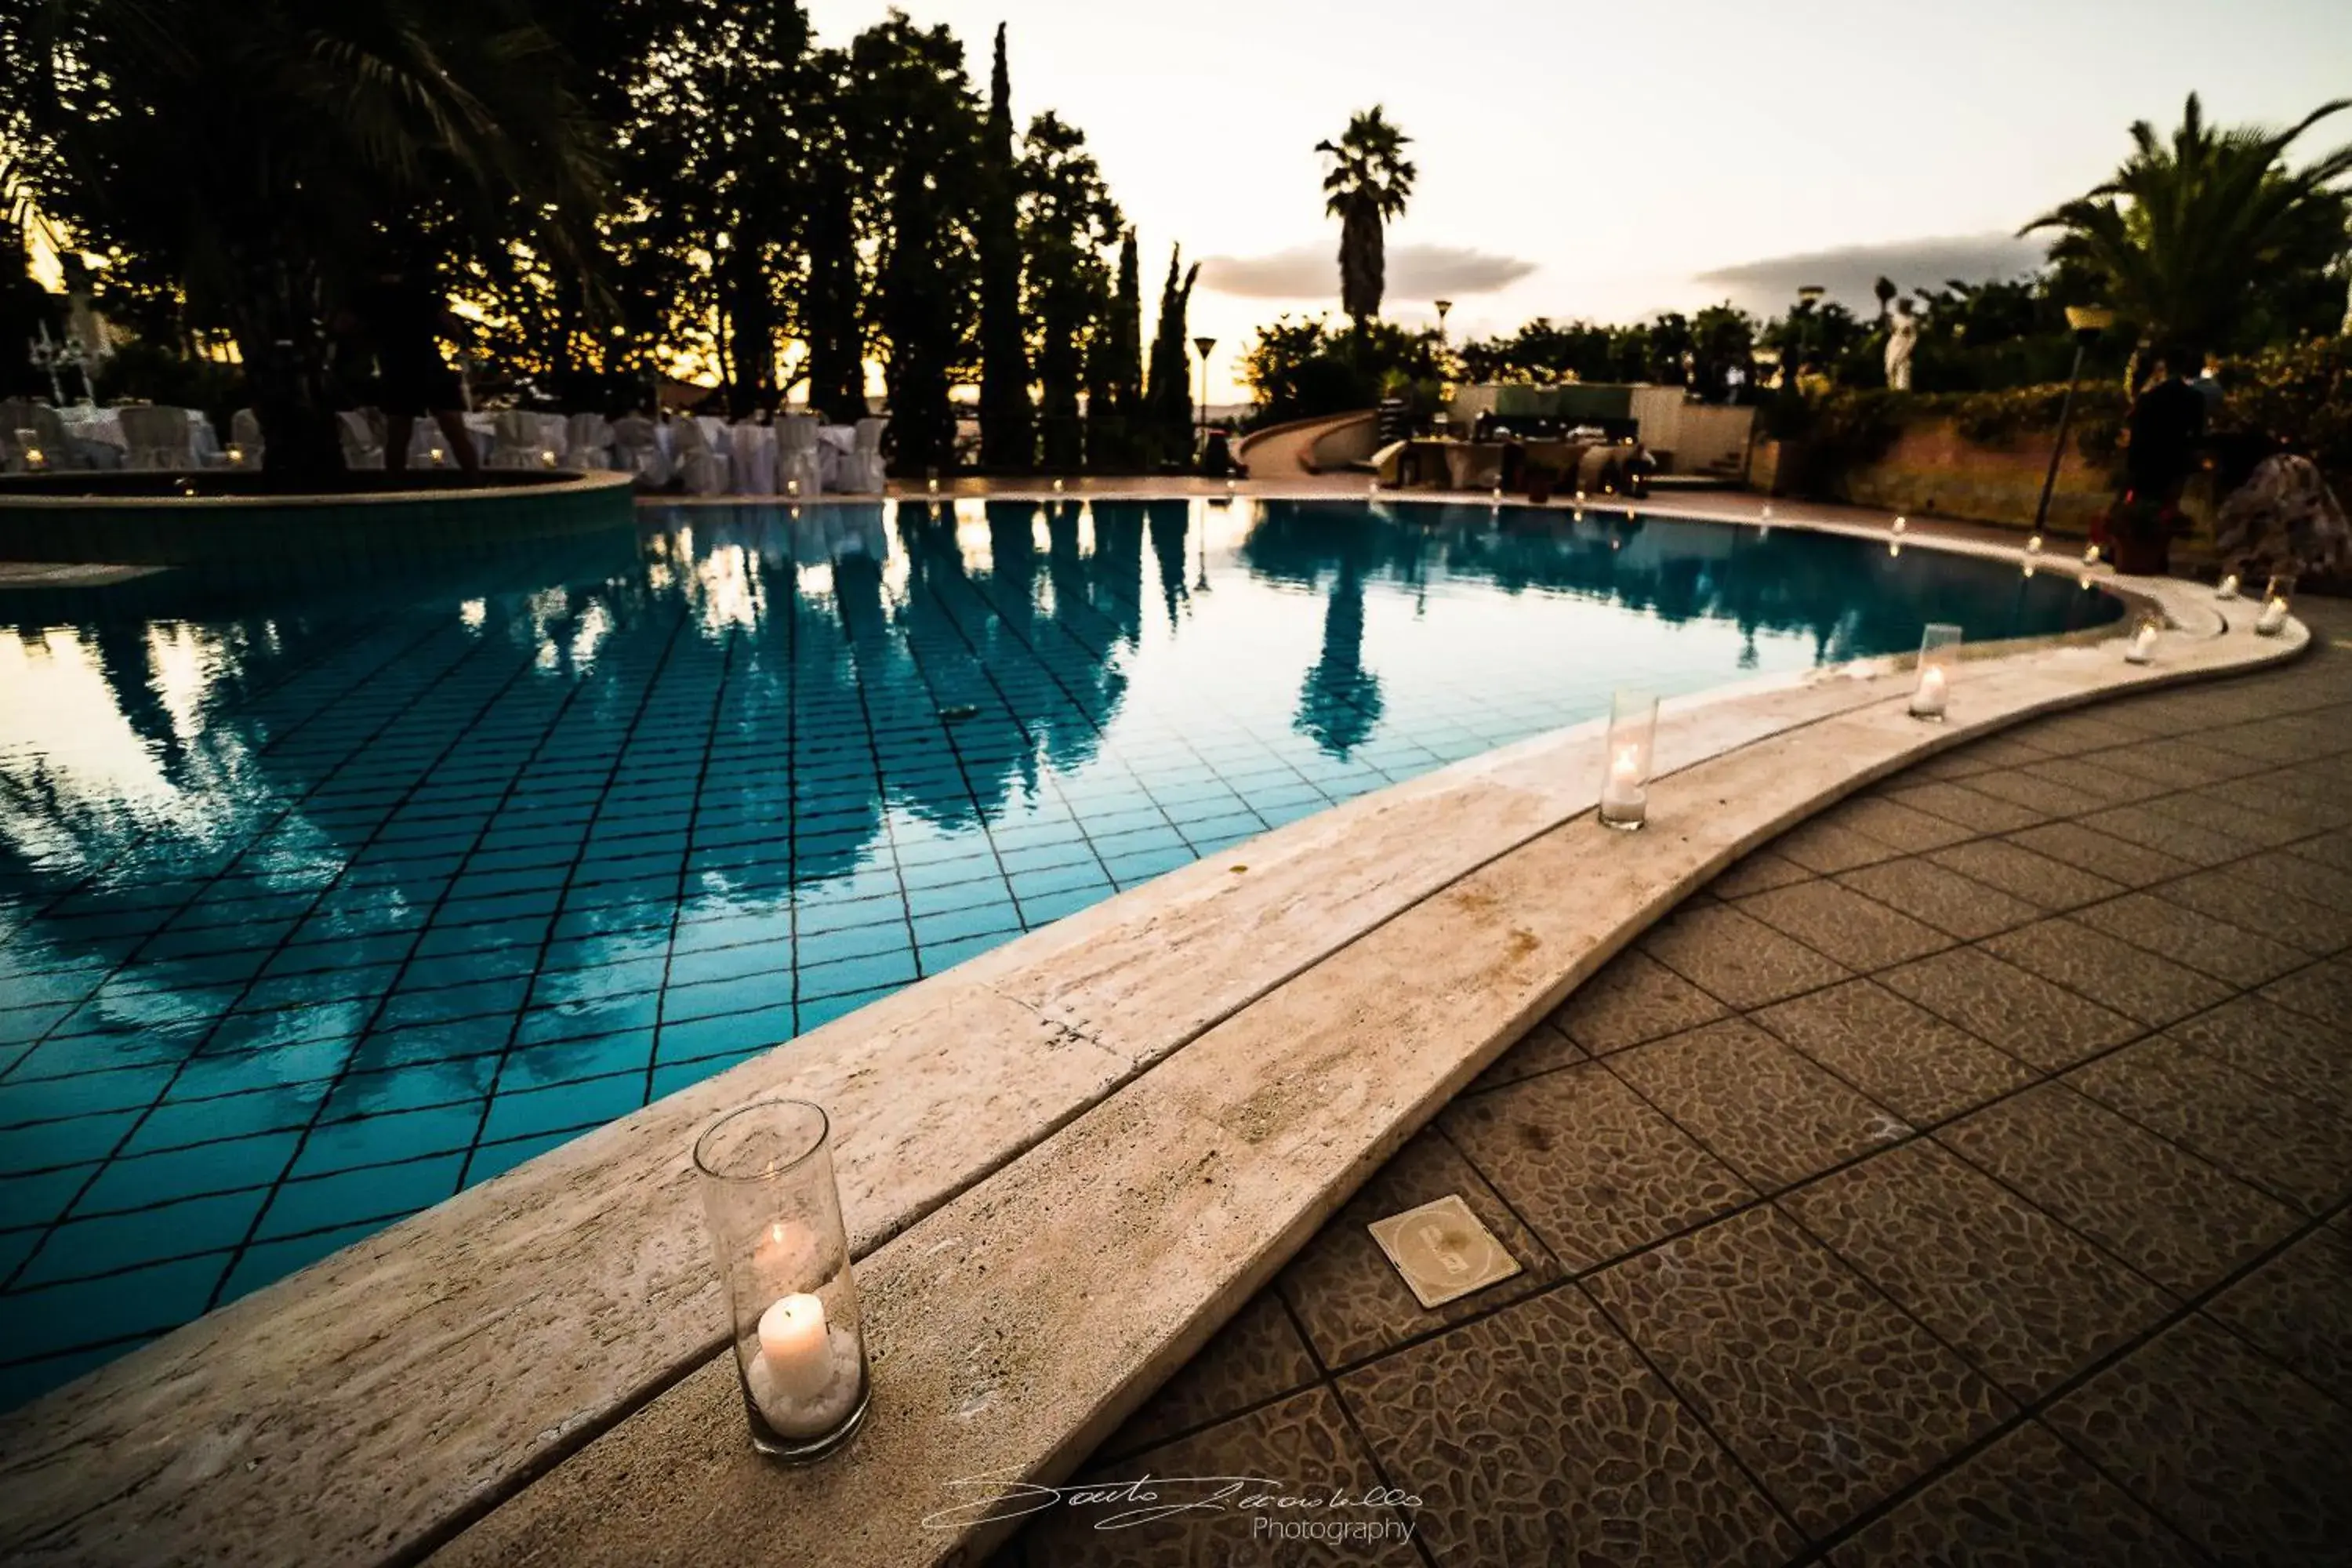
[1443,306]
[1202,418]
[2088,321]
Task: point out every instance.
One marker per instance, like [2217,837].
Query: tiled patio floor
[1960,1179]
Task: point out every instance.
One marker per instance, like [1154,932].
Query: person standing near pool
[402,318]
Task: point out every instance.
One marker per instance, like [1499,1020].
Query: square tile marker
[1442,1250]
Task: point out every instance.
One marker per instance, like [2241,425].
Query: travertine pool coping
[1063,1165]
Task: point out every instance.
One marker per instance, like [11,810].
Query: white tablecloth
[103,426]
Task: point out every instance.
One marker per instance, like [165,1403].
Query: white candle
[1928,698]
[2229,587]
[934,485]
[1621,798]
[1900,525]
[2033,545]
[1767,507]
[2091,556]
[1580,496]
[2273,617]
[795,1347]
[2142,644]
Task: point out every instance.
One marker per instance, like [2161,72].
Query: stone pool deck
[1961,1178]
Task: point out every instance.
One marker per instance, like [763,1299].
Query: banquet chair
[800,472]
[636,444]
[158,439]
[863,472]
[517,441]
[361,431]
[245,438]
[700,465]
[587,442]
[753,446]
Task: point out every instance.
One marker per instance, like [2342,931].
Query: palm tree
[261,158]
[2194,241]
[1368,183]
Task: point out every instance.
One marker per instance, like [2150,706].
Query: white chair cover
[245,435]
[862,471]
[518,441]
[703,470]
[587,442]
[428,446]
[636,448]
[752,446]
[799,471]
[159,439]
[361,431]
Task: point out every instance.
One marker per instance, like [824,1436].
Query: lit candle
[1580,498]
[1231,486]
[433,454]
[1928,696]
[1498,495]
[36,460]
[1622,798]
[235,456]
[2091,556]
[2273,617]
[1058,486]
[546,457]
[934,484]
[1900,525]
[2229,586]
[2033,545]
[795,1348]
[1768,512]
[2142,644]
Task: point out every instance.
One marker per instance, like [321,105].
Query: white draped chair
[587,442]
[247,446]
[751,449]
[637,449]
[362,433]
[428,446]
[862,473]
[517,441]
[799,469]
[700,465]
[159,439]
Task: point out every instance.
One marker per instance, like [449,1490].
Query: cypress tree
[1007,434]
[1168,404]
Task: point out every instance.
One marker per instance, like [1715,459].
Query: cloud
[1849,270]
[1312,272]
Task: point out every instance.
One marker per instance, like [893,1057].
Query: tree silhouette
[1368,183]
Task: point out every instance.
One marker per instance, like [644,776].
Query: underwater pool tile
[83,1094]
[497,1159]
[208,1075]
[562,1061]
[721,1034]
[225,1165]
[35,1322]
[110,1244]
[265,1262]
[580,1102]
[387,1138]
[349,1197]
[183,1123]
[583,1019]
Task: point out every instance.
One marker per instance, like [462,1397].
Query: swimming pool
[322,900]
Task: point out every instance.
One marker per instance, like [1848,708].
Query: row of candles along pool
[766,1170]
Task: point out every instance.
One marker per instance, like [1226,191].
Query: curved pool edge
[380,1402]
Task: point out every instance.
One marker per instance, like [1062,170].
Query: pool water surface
[323,901]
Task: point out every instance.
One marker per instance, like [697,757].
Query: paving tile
[2232,819]
[2168,762]
[2286,1050]
[2260,907]
[2043,797]
[2095,780]
[1298,1447]
[1857,931]
[1541,1049]
[1965,804]
[1347,1295]
[2102,854]
[1904,828]
[2152,829]
[1754,872]
[1833,1396]
[2020,872]
[2303,877]
[2038,1023]
[1255,1357]
[2287,797]
[2321,991]
[1629,999]
[1762,1107]
[1902,1056]
[2278,1141]
[2180,1220]
[1736,957]
[1943,899]
[1825,848]
[2026,1501]
[2298,1307]
[2186,936]
[2082,731]
[2027,1300]
[1592,1168]
[2129,980]
[1538,1435]
[2235,1450]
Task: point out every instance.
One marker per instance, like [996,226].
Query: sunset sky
[1609,161]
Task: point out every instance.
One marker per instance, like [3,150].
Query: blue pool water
[321,900]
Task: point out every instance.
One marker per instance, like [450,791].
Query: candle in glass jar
[2229,586]
[1621,797]
[2273,618]
[1928,696]
[2142,644]
[794,1347]
[2033,545]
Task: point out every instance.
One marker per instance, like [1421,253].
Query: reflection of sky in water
[318,903]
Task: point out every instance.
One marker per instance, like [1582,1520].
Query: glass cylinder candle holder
[1632,741]
[2227,588]
[2141,650]
[2033,545]
[1901,524]
[1939,649]
[775,1213]
[2091,555]
[2272,620]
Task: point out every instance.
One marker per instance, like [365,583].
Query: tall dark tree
[833,305]
[1007,435]
[1368,183]
[1169,399]
[1115,370]
[1066,219]
[914,134]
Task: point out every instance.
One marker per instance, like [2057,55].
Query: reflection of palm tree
[1341,703]
[1368,183]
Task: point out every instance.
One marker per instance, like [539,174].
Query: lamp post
[1808,295]
[1443,306]
[2088,321]
[1202,416]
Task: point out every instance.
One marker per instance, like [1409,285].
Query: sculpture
[1902,337]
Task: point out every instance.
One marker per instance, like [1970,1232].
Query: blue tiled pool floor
[317,907]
